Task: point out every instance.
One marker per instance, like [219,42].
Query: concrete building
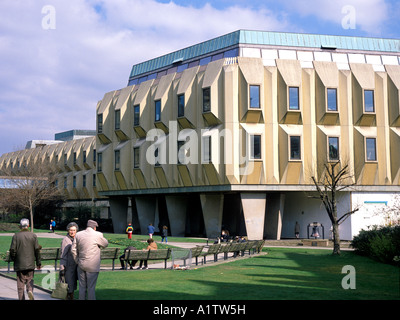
[226,134]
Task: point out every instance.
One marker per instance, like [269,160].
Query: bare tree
[334,179]
[29,186]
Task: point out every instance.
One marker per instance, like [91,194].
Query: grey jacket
[86,249]
[25,250]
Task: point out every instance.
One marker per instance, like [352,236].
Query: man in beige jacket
[86,252]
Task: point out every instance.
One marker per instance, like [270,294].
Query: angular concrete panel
[253,205]
[176,206]
[212,206]
[146,209]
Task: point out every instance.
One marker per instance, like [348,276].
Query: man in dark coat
[25,251]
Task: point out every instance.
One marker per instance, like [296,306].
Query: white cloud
[370,15]
[52,79]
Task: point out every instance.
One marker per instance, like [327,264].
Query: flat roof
[266,38]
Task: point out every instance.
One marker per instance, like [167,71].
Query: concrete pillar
[212,206]
[119,213]
[253,205]
[274,216]
[176,207]
[146,209]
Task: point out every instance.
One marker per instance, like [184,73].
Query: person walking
[25,251]
[68,266]
[86,252]
[164,234]
[129,230]
[150,230]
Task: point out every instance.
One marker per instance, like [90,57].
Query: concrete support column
[274,216]
[212,206]
[253,205]
[119,213]
[146,208]
[176,207]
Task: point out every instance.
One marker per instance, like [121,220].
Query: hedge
[379,243]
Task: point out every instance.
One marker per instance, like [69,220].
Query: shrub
[381,244]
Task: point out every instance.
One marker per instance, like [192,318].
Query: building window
[84,181]
[370,146]
[156,157]
[333,148]
[206,100]
[295,153]
[157,107]
[84,156]
[136,157]
[65,183]
[369,105]
[117,160]
[207,149]
[331,97]
[65,159]
[100,123]
[99,162]
[136,115]
[74,182]
[255,147]
[94,180]
[181,153]
[294,98]
[74,158]
[181,105]
[117,119]
[254,96]
[94,155]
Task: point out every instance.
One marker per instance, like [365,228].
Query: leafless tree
[335,178]
[29,186]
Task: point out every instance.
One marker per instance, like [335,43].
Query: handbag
[61,289]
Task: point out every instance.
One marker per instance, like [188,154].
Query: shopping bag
[61,289]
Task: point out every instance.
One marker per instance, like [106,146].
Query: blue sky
[58,58]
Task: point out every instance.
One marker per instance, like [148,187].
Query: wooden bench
[135,255]
[196,252]
[212,250]
[110,254]
[46,254]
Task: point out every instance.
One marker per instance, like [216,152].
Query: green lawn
[284,273]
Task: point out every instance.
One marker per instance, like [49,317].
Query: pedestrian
[53,225]
[86,252]
[150,230]
[129,230]
[68,266]
[122,258]
[297,230]
[25,251]
[164,234]
[151,246]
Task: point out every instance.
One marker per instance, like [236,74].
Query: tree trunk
[336,238]
[31,214]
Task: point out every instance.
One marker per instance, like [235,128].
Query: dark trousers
[24,278]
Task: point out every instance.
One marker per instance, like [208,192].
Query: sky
[59,58]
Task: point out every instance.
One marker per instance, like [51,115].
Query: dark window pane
[181,105]
[157,105]
[136,115]
[206,100]
[369,101]
[136,157]
[295,153]
[333,148]
[255,151]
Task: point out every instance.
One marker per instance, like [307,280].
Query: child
[164,234]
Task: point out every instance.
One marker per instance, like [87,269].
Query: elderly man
[86,252]
[24,251]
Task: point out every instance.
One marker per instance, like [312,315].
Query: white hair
[24,223]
